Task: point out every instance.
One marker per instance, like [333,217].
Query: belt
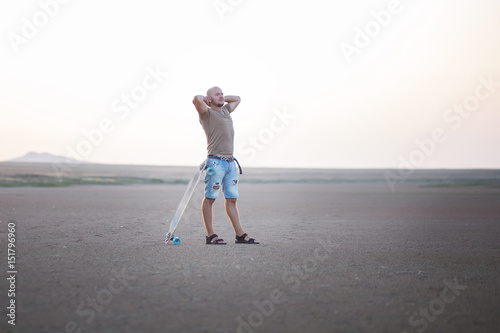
[227,159]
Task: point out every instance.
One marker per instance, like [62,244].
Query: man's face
[217,97]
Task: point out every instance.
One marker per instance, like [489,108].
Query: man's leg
[234,215]
[212,187]
[207,212]
[231,193]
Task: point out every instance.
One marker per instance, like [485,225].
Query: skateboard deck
[183,204]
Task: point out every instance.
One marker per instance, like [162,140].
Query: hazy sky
[341,84]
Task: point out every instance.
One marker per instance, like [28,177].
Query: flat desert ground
[347,256]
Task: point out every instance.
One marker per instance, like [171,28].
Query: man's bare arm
[201,103]
[233,101]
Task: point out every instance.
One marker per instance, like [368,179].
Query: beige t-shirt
[219,130]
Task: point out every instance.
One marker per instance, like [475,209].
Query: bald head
[211,90]
[215,96]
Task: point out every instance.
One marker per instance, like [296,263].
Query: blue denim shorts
[225,175]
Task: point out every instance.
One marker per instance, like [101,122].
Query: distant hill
[33,157]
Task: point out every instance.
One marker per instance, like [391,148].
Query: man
[215,118]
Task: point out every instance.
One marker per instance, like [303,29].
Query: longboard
[183,204]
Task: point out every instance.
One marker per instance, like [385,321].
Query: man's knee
[209,200]
[231,200]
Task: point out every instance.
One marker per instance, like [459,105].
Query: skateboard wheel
[177,240]
[210,171]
